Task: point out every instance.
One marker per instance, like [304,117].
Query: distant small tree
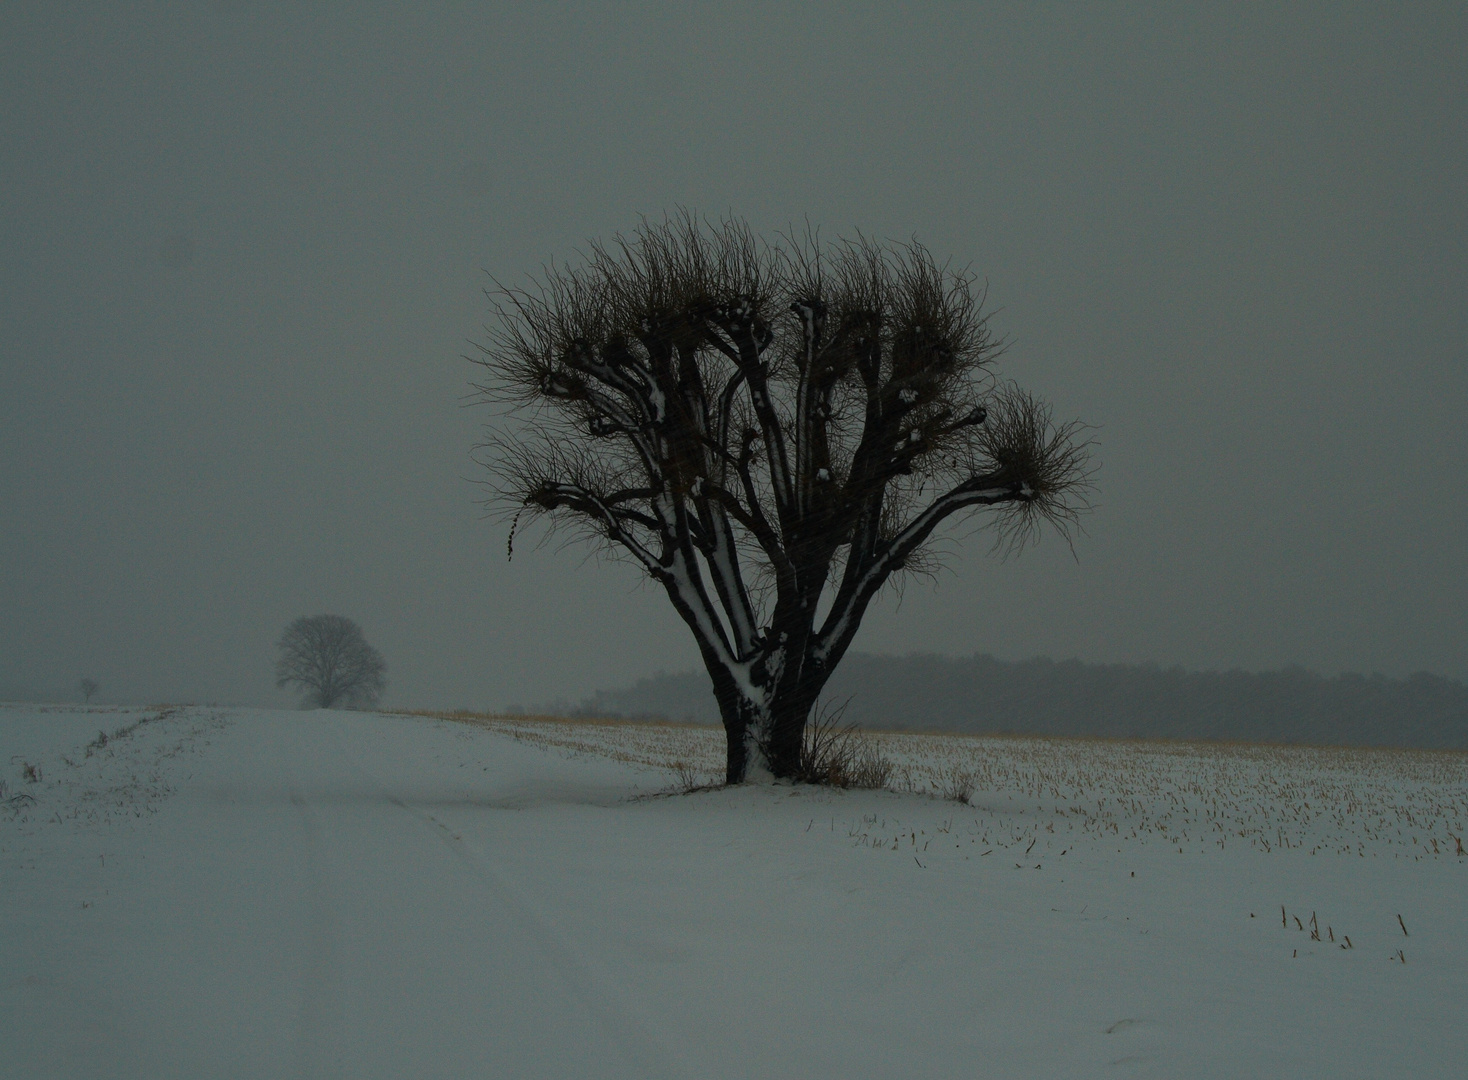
[88,687]
[327,657]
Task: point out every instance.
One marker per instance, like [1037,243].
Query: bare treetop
[770,430]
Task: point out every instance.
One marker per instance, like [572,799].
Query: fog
[244,249]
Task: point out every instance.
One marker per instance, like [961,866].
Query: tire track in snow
[319,1024]
[640,1046]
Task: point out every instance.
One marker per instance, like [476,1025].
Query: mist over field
[982,695]
[244,253]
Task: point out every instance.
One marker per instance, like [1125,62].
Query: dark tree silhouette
[88,687]
[771,431]
[327,657]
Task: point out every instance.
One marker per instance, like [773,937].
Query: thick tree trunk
[746,724]
[788,717]
[764,739]
[735,756]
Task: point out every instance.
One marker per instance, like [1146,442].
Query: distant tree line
[982,695]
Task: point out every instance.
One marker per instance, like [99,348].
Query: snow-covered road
[264,894]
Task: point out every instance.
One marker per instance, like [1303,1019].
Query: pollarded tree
[771,431]
[328,658]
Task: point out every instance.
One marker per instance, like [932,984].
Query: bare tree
[88,687]
[328,658]
[772,432]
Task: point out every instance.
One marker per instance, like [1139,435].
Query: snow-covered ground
[251,893]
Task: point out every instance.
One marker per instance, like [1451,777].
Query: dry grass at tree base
[1180,796]
[838,755]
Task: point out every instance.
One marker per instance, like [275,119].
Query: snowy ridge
[122,773]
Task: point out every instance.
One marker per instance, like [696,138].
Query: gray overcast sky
[243,250]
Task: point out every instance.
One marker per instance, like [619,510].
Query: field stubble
[1187,796]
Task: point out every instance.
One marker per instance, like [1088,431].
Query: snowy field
[258,894]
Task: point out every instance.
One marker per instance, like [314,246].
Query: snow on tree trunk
[746,721]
